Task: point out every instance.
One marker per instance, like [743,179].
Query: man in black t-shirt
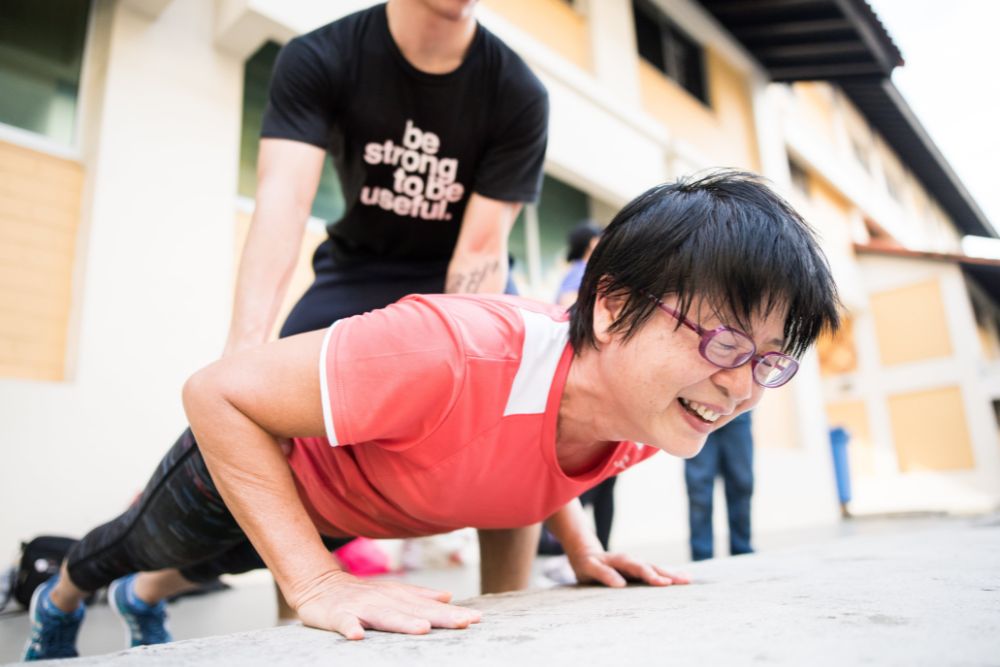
[437,131]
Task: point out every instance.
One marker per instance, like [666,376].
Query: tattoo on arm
[470,282]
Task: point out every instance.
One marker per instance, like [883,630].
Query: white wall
[154,283]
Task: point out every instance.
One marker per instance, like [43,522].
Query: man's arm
[589,560]
[479,261]
[288,174]
[238,417]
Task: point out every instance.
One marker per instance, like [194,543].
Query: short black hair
[579,238]
[723,236]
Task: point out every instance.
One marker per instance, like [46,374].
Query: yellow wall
[911,323]
[723,131]
[301,278]
[830,213]
[552,22]
[987,342]
[814,108]
[39,217]
[929,430]
[774,421]
[838,353]
[853,417]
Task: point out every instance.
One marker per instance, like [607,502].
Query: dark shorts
[179,521]
[343,291]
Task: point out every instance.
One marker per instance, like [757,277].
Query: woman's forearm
[570,526]
[253,477]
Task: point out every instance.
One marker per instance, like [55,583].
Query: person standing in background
[438,132]
[581,241]
[727,452]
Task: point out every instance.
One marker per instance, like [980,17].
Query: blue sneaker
[147,624]
[53,631]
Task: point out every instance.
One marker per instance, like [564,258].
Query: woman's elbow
[199,393]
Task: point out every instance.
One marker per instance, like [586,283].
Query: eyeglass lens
[729,348]
[774,370]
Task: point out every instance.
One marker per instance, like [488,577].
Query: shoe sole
[113,603]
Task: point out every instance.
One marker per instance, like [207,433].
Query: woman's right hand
[343,603]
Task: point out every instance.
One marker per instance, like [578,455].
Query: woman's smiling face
[662,391]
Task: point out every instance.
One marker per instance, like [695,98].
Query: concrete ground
[923,592]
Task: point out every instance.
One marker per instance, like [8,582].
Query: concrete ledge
[925,598]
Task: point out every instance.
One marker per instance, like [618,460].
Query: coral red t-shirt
[440,413]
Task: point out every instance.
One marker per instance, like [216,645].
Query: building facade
[127,151]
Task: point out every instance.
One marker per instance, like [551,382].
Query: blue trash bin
[839,438]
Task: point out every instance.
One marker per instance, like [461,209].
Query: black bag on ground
[40,560]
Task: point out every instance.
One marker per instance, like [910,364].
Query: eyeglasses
[730,348]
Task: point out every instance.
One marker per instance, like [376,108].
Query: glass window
[329,202]
[41,54]
[647,34]
[860,150]
[685,62]
[668,49]
[894,184]
[800,177]
[561,208]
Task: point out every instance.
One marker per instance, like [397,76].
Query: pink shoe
[363,557]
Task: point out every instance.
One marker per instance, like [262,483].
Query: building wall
[832,138]
[302,274]
[907,376]
[40,197]
[723,132]
[924,436]
[161,229]
[554,23]
[152,280]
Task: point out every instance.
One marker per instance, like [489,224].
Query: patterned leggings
[179,521]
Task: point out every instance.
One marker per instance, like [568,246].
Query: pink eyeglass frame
[752,357]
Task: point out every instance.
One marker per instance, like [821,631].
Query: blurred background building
[128,134]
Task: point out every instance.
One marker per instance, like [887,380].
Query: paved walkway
[923,598]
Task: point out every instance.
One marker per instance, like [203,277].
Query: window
[668,49]
[893,183]
[860,150]
[329,202]
[539,253]
[41,55]
[800,177]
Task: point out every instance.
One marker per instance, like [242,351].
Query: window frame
[672,37]
[42,143]
[799,177]
[336,204]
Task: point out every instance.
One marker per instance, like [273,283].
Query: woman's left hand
[616,570]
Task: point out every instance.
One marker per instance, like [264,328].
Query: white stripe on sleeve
[324,388]
[544,342]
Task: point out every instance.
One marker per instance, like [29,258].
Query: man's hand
[616,570]
[346,604]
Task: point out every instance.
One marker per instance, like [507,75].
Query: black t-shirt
[409,147]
